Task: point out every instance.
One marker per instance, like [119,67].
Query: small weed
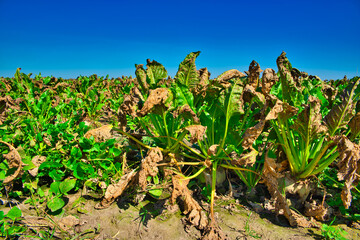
[333,232]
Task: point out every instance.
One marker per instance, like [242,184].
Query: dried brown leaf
[212,150]
[250,92]
[354,125]
[115,190]
[269,78]
[186,112]
[14,161]
[349,167]
[201,87]
[252,133]
[224,78]
[158,99]
[149,166]
[245,159]
[37,161]
[100,134]
[195,215]
[253,74]
[282,110]
[197,132]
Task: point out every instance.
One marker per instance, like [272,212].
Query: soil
[158,220]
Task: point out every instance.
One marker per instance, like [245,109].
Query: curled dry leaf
[201,87]
[250,92]
[100,134]
[245,159]
[158,99]
[149,166]
[252,133]
[349,167]
[37,161]
[253,74]
[282,110]
[187,112]
[213,149]
[224,78]
[195,215]
[269,78]
[197,132]
[14,161]
[115,190]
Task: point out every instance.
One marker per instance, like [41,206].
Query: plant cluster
[154,132]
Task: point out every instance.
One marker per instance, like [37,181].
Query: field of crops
[284,144]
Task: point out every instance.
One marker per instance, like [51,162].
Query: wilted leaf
[253,74]
[100,134]
[282,110]
[250,92]
[187,113]
[252,133]
[115,190]
[349,167]
[197,132]
[37,161]
[14,161]
[245,159]
[158,100]
[354,125]
[309,122]
[149,166]
[342,113]
[269,78]
[192,209]
[201,87]
[225,77]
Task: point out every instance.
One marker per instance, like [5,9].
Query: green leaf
[75,153]
[54,187]
[2,215]
[155,72]
[156,193]
[187,73]
[67,185]
[14,213]
[183,96]
[55,204]
[82,170]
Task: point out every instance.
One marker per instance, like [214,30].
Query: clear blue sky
[71,38]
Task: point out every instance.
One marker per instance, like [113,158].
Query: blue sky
[72,38]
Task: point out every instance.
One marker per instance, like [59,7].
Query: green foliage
[333,232]
[9,228]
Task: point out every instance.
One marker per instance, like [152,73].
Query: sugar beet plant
[181,128]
